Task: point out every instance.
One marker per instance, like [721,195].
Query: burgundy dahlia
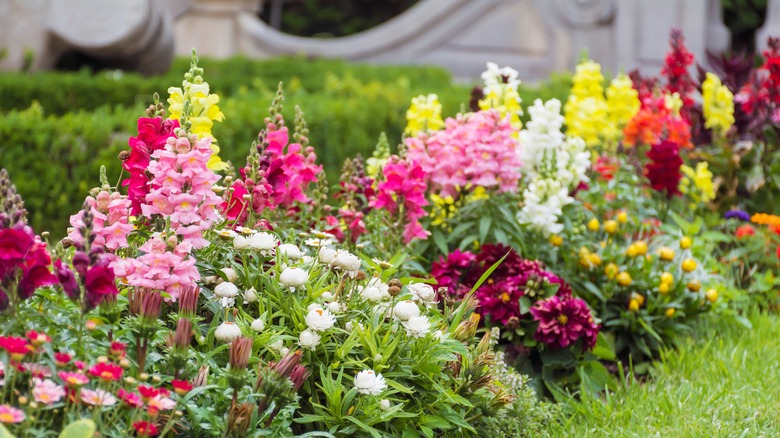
[564,320]
[449,273]
[499,300]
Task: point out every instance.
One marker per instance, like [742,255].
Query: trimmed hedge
[54,159]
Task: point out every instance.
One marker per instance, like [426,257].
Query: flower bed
[414,296]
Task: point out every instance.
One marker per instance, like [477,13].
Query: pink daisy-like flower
[130,399]
[160,403]
[97,397]
[73,380]
[47,392]
[10,415]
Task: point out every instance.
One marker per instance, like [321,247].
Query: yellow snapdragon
[718,105]
[504,99]
[586,112]
[201,109]
[623,103]
[424,115]
[701,178]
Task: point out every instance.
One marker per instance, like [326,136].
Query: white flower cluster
[317,320]
[264,243]
[554,165]
[495,77]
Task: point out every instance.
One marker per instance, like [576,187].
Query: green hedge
[55,158]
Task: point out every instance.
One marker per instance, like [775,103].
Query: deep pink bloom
[62,359]
[99,284]
[17,348]
[73,380]
[152,135]
[564,320]
[145,429]
[404,185]
[130,399]
[15,243]
[663,170]
[235,207]
[106,371]
[33,278]
[450,273]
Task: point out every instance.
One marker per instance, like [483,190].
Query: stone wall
[536,37]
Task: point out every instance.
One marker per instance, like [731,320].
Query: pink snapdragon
[477,149]
[160,267]
[182,188]
[111,212]
[404,189]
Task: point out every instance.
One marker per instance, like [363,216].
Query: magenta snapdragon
[403,192]
[476,149]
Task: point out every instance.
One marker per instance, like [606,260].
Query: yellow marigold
[701,178]
[424,115]
[766,219]
[623,102]
[718,104]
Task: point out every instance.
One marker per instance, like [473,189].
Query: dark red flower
[99,284]
[145,428]
[449,273]
[564,320]
[106,371]
[33,278]
[181,387]
[62,359]
[67,280]
[17,348]
[499,300]
[148,392]
[15,243]
[663,170]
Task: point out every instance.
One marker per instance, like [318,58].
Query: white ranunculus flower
[291,251]
[385,404]
[258,325]
[276,345]
[241,242]
[230,274]
[417,326]
[369,382]
[320,319]
[406,309]
[250,295]
[226,290]
[227,332]
[422,292]
[293,277]
[309,339]
[326,254]
[265,243]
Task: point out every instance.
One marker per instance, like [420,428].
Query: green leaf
[4,433]
[84,428]
[594,376]
[440,241]
[525,304]
[484,227]
[603,350]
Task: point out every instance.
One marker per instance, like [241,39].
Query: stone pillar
[211,27]
[771,27]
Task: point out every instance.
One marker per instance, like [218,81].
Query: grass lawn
[724,386]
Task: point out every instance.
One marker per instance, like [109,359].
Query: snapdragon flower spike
[161,267]
[109,225]
[404,185]
[181,188]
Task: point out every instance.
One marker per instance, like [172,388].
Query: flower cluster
[623,102]
[153,133]
[196,110]
[699,179]
[554,165]
[500,93]
[518,293]
[110,221]
[476,149]
[659,119]
[663,169]
[403,193]
[165,265]
[424,115]
[718,104]
[586,111]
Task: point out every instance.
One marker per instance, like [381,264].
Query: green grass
[727,384]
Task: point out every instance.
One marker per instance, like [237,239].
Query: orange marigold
[766,219]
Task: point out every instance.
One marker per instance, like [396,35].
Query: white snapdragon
[405,310]
[553,164]
[320,319]
[417,326]
[309,339]
[293,277]
[370,383]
